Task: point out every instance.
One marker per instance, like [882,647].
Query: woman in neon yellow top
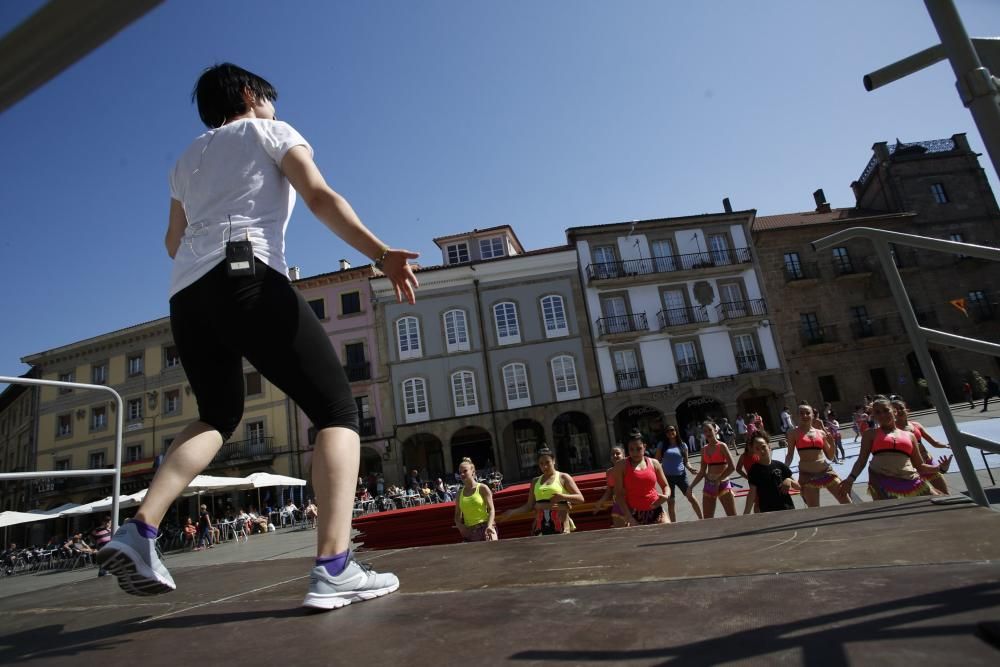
[475,517]
[550,497]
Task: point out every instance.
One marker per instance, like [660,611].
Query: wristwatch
[381,258]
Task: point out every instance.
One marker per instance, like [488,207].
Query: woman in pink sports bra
[618,519]
[716,465]
[896,467]
[816,448]
[903,421]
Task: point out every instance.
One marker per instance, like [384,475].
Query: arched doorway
[763,402]
[422,452]
[697,409]
[642,417]
[526,437]
[475,443]
[573,439]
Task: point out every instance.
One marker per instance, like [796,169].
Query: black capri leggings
[218,320]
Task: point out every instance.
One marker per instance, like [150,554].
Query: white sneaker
[132,558]
[356,583]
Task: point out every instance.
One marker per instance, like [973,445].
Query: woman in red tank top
[636,480]
[896,467]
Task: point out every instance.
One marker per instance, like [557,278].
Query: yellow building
[76,428]
[17,428]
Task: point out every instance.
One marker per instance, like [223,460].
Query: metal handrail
[115,472]
[920,336]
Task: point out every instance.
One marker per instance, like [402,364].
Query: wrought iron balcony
[734,310]
[677,317]
[366,426]
[668,263]
[691,372]
[818,335]
[801,271]
[628,380]
[622,324]
[750,363]
[359,372]
[245,450]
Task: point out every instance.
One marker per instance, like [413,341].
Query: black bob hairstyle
[219,93]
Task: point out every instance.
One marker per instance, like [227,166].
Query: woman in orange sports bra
[716,465]
[896,467]
[903,421]
[816,448]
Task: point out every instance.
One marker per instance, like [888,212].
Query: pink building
[342,301]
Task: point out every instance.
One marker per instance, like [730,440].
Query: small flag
[960,305]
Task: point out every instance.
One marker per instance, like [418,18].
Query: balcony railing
[358,372]
[801,271]
[628,380]
[818,335]
[750,363]
[366,426]
[733,310]
[676,317]
[668,263]
[691,371]
[869,328]
[621,324]
[254,448]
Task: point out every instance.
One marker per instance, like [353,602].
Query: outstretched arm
[176,225]
[334,212]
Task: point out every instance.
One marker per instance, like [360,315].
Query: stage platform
[895,583]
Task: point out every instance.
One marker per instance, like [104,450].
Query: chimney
[344,265]
[727,206]
[293,273]
[821,204]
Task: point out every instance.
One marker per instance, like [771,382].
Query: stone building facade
[680,320]
[492,362]
[76,428]
[837,320]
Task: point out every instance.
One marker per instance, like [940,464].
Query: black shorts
[219,320]
[678,482]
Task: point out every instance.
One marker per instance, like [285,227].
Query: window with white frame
[65,377]
[564,378]
[171,401]
[255,431]
[96,460]
[515,382]
[135,364]
[98,418]
[490,248]
[458,253]
[408,337]
[99,373]
[133,453]
[415,400]
[463,391]
[456,331]
[505,317]
[171,358]
[133,409]
[64,425]
[554,314]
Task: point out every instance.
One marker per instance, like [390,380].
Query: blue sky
[434,117]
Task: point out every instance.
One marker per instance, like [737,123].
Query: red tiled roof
[785,220]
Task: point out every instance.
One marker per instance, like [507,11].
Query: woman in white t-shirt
[232,193]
